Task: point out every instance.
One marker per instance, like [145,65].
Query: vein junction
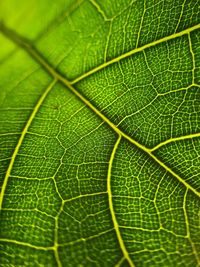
[58,77]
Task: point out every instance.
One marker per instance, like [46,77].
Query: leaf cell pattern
[100,133]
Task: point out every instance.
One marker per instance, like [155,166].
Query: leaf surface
[100,133]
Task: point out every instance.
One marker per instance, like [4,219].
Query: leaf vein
[110,199]
[134,51]
[20,141]
[57,76]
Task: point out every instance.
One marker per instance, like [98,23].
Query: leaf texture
[100,133]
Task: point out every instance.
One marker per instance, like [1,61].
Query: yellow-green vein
[171,140]
[110,200]
[134,51]
[98,8]
[16,150]
[26,244]
[193,57]
[188,229]
[20,41]
[56,236]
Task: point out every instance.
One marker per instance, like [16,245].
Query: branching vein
[57,76]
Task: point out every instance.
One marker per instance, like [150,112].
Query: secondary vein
[134,51]
[32,51]
[26,244]
[171,140]
[111,206]
[19,143]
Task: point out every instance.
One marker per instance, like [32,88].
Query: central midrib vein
[26,46]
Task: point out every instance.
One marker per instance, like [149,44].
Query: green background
[100,133]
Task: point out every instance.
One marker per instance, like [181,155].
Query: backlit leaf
[100,133]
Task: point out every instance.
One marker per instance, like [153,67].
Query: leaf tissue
[100,133]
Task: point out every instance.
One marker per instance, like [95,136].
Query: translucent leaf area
[100,133]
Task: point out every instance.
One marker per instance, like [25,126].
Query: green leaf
[100,133]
